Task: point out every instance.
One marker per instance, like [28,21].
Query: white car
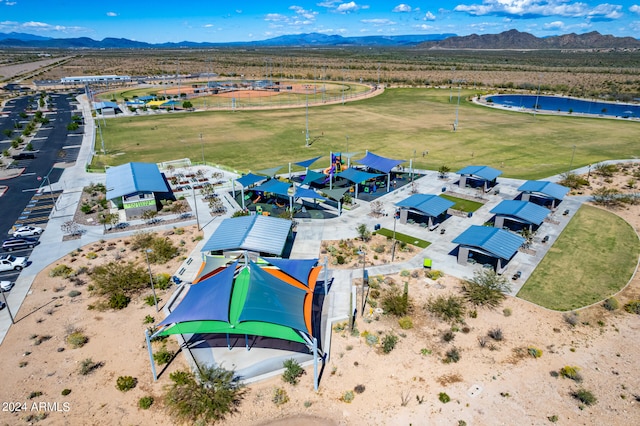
[27,231]
[6,285]
[12,263]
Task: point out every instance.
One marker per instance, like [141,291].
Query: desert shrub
[633,307]
[448,336]
[126,383]
[535,352]
[359,389]
[389,342]
[396,303]
[74,293]
[495,334]
[65,392]
[280,396]
[77,339]
[149,319]
[584,396]
[452,355]
[293,371]
[370,339]
[35,394]
[86,208]
[126,278]
[443,397]
[571,318]
[486,288]
[363,232]
[340,259]
[448,308]
[145,402]
[405,323]
[150,300]
[87,366]
[163,356]
[61,271]
[434,274]
[611,304]
[141,240]
[118,301]
[571,372]
[347,397]
[163,281]
[507,312]
[203,399]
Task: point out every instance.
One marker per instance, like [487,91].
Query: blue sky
[215,21]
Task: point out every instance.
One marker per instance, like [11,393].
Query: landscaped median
[403,238]
[594,257]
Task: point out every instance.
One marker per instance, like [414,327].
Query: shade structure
[313,177]
[336,193]
[308,193]
[482,172]
[252,299]
[131,178]
[210,266]
[269,172]
[249,179]
[262,234]
[430,205]
[524,211]
[357,176]
[275,187]
[307,163]
[497,242]
[379,163]
[548,189]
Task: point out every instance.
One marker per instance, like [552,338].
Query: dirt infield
[299,89]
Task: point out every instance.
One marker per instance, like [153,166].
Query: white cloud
[537,8]
[378,22]
[429,16]
[402,8]
[40,27]
[555,25]
[635,9]
[208,25]
[238,11]
[275,17]
[347,7]
[112,14]
[11,3]
[307,14]
[424,27]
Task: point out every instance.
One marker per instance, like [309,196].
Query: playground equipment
[336,164]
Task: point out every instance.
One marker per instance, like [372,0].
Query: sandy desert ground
[496,384]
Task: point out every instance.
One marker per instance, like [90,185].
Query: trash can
[376,227]
[444,189]
[469,214]
[426,263]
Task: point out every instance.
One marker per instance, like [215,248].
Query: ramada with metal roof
[543,189]
[519,211]
[485,174]
[381,164]
[431,206]
[491,242]
[266,235]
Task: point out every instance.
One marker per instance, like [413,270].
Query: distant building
[103,79]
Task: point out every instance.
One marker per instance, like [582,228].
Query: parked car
[6,285]
[18,243]
[27,231]
[2,305]
[10,263]
[24,156]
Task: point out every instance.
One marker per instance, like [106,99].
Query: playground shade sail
[356,176]
[255,299]
[376,162]
[249,179]
[274,186]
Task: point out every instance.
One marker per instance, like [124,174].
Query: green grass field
[401,123]
[404,238]
[462,204]
[594,257]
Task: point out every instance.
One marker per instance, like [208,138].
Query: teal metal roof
[497,242]
[548,189]
[131,178]
[483,172]
[275,187]
[523,210]
[431,205]
[263,234]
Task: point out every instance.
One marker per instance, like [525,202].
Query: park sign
[142,203]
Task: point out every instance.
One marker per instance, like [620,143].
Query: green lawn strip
[396,124]
[462,204]
[404,238]
[594,257]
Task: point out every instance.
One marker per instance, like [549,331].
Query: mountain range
[512,39]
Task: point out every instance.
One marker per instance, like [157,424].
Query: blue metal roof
[356,176]
[274,186]
[379,163]
[484,172]
[264,234]
[523,210]
[431,205]
[134,177]
[549,189]
[497,242]
[249,179]
[102,105]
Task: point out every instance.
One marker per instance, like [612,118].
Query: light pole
[396,215]
[573,153]
[535,107]
[306,144]
[348,156]
[7,305]
[364,254]
[202,146]
[455,123]
[195,205]
[413,160]
[53,200]
[153,288]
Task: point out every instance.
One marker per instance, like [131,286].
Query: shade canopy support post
[153,365]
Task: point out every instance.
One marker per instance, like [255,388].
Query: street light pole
[573,153]
[202,146]
[7,305]
[364,254]
[195,205]
[393,247]
[348,156]
[155,299]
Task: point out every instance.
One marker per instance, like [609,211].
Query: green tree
[486,288]
[187,105]
[363,232]
[108,219]
[119,278]
[7,132]
[207,398]
[443,171]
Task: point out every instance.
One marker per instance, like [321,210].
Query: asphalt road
[22,204]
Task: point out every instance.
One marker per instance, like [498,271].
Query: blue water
[562,104]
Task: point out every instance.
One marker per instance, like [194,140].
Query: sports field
[401,123]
